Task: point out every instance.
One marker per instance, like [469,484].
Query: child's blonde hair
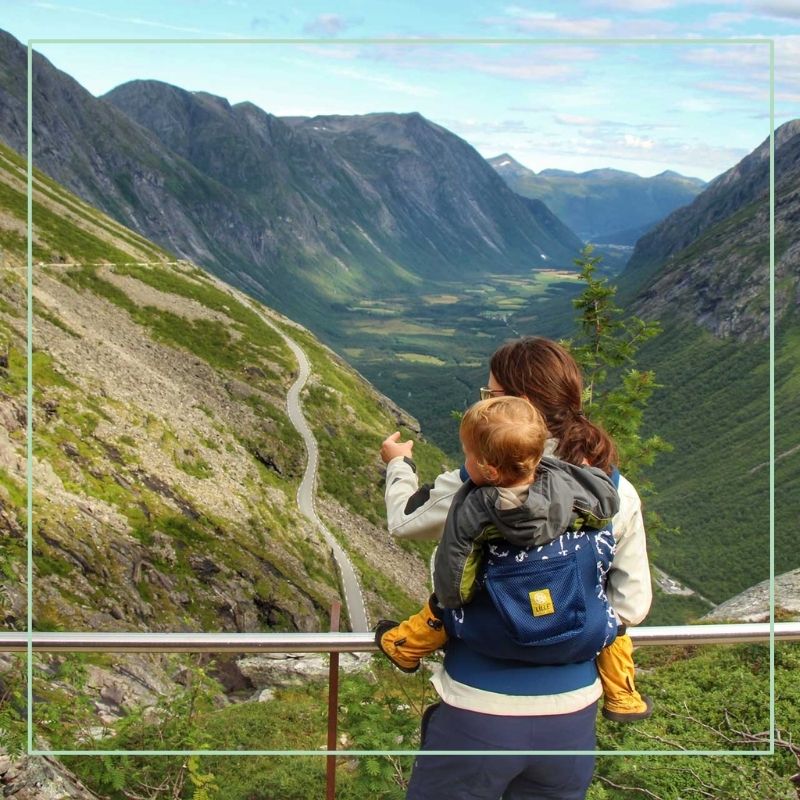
[505,434]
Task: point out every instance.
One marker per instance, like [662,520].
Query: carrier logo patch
[541,602]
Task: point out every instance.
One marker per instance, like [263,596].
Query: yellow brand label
[541,602]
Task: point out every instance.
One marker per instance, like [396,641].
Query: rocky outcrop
[273,670]
[40,778]
[753,605]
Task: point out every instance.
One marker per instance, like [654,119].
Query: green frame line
[772,394]
[29,399]
[415,753]
[586,42]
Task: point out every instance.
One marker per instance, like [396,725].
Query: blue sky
[693,107]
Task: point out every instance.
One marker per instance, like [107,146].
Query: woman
[491,704]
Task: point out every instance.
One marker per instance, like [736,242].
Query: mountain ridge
[710,260]
[600,203]
[332,233]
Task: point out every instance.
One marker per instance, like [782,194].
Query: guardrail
[135,642]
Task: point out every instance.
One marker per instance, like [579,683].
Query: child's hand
[392,448]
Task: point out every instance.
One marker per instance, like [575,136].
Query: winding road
[350,585]
[351,588]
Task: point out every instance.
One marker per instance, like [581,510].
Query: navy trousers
[495,776]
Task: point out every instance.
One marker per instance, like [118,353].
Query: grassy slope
[714,486]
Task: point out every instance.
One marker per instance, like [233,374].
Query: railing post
[333,707]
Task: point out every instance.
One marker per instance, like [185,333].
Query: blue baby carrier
[541,605]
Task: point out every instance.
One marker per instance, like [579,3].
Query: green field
[429,352]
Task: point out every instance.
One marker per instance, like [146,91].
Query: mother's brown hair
[546,374]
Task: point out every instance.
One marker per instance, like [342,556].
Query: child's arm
[415,512]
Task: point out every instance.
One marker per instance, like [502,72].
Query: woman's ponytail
[582,441]
[545,372]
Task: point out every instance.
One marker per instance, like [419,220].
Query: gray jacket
[562,497]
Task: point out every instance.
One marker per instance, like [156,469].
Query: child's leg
[622,702]
[407,642]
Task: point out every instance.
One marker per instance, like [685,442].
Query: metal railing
[135,642]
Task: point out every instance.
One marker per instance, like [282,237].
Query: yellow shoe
[405,643]
[622,702]
[629,708]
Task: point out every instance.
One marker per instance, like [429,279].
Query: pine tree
[616,393]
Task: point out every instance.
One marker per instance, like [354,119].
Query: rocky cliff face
[709,262]
[753,604]
[439,193]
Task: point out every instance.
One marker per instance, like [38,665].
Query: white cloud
[328,25]
[696,105]
[148,23]
[739,89]
[519,11]
[723,20]
[787,60]
[533,23]
[521,70]
[526,21]
[637,142]
[733,56]
[577,120]
[336,52]
[476,127]
[637,6]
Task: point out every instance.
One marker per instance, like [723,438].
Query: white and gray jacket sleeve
[415,512]
[629,589]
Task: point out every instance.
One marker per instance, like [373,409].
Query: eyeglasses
[486,392]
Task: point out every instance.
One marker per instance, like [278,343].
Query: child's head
[503,440]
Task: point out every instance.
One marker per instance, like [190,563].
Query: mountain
[436,185]
[704,272]
[602,205]
[293,216]
[165,466]
[708,261]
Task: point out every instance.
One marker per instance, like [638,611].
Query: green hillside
[707,699]
[705,273]
[714,485]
